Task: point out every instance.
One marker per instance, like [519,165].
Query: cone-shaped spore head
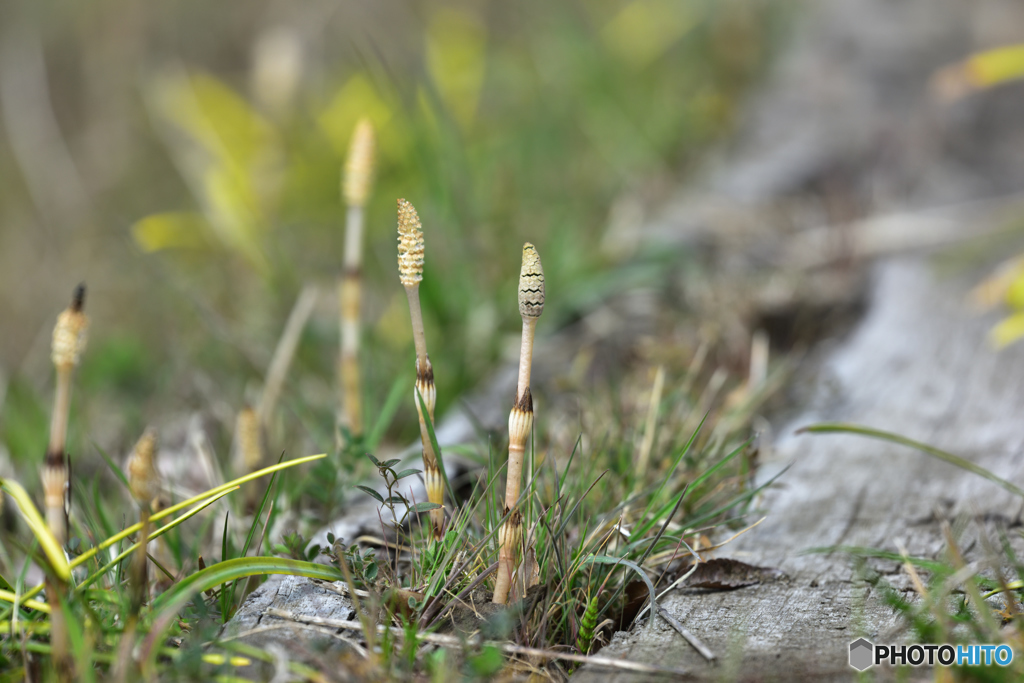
[69,334]
[410,245]
[359,166]
[531,284]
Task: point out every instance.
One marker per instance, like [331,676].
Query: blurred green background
[183,159]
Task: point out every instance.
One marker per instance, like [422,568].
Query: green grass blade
[54,553]
[696,522]
[11,598]
[675,465]
[230,486]
[156,534]
[235,483]
[642,529]
[258,516]
[607,559]
[937,568]
[118,472]
[387,412]
[963,463]
[224,539]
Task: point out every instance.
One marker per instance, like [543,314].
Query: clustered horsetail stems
[69,337]
[356,184]
[520,422]
[410,273]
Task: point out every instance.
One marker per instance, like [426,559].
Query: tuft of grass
[954,600]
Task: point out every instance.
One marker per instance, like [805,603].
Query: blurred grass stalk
[69,338]
[520,421]
[356,185]
[410,272]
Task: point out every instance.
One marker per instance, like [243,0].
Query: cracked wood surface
[918,364]
[287,641]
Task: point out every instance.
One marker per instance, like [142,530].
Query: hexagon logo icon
[861,654]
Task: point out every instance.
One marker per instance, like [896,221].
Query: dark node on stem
[525,402]
[353,272]
[516,519]
[54,458]
[67,506]
[78,298]
[426,374]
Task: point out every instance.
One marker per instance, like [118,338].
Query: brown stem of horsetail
[349,295]
[355,189]
[350,298]
[139,570]
[520,421]
[419,337]
[249,441]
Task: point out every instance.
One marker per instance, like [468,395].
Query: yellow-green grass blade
[165,608]
[234,483]
[162,530]
[10,597]
[23,627]
[54,553]
[156,534]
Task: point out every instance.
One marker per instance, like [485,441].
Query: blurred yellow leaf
[1015,292]
[176,230]
[980,70]
[1008,330]
[997,66]
[233,211]
[427,111]
[644,29]
[215,117]
[227,153]
[355,100]
[995,289]
[456,61]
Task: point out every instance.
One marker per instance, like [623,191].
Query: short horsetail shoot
[69,336]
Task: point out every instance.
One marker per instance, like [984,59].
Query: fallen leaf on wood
[725,574]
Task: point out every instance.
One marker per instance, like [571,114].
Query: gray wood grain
[918,364]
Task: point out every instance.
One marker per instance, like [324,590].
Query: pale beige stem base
[510,537]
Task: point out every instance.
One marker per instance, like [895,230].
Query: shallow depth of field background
[183,160]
